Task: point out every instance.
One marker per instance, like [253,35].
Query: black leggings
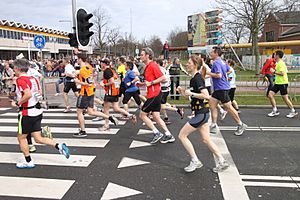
[135,96]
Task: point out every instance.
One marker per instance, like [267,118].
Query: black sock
[27,158]
[56,146]
[178,110]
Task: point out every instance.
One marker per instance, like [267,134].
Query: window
[8,34]
[15,35]
[4,33]
[270,36]
[19,35]
[1,33]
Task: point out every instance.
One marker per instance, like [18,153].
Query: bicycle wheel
[262,84]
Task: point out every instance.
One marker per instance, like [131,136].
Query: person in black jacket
[175,77]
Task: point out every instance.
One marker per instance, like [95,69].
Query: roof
[292,17]
[291,31]
[31,27]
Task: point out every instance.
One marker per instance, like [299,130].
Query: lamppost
[71,28]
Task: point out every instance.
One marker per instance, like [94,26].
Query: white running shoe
[292,114]
[25,165]
[223,115]
[193,166]
[273,113]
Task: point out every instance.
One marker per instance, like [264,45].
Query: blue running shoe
[63,149]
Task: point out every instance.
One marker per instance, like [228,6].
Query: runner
[70,74]
[199,104]
[31,114]
[281,84]
[85,99]
[153,78]
[266,70]
[111,86]
[165,89]
[221,86]
[131,89]
[231,79]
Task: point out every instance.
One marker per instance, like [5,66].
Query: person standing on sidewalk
[86,96]
[60,69]
[199,104]
[281,84]
[31,113]
[153,78]
[221,86]
[166,50]
[266,70]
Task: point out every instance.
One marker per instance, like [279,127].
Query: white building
[14,40]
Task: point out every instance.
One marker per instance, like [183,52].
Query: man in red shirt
[153,78]
[166,50]
[31,113]
[266,70]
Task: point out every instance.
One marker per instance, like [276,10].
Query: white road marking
[114,191]
[2,109]
[257,128]
[270,184]
[74,109]
[48,159]
[39,187]
[53,114]
[129,162]
[135,144]
[80,142]
[278,178]
[144,131]
[64,130]
[60,121]
[230,180]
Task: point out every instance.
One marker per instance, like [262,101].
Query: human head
[147,54]
[279,55]
[215,52]
[194,64]
[104,63]
[122,60]
[129,65]
[160,62]
[231,63]
[82,58]
[21,66]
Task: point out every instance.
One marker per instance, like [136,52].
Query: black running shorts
[282,88]
[84,102]
[221,95]
[152,105]
[28,124]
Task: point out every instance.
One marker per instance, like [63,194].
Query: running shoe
[97,119]
[46,132]
[63,149]
[113,120]
[273,113]
[167,139]
[57,94]
[32,148]
[67,109]
[221,167]
[213,129]
[193,166]
[240,129]
[156,138]
[133,119]
[80,134]
[25,165]
[104,128]
[292,114]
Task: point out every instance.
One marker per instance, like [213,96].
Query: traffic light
[213,27]
[73,40]
[83,27]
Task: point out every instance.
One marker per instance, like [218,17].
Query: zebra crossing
[62,125]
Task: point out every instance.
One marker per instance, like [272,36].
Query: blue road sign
[39,41]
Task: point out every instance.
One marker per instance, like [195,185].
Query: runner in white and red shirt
[31,114]
[153,78]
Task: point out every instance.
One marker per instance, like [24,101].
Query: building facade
[17,38]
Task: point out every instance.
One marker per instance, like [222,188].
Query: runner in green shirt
[281,84]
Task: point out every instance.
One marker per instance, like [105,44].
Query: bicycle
[262,83]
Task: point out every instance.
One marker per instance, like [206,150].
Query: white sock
[168,133]
[221,110]
[240,123]
[213,124]
[195,158]
[155,131]
[293,110]
[275,109]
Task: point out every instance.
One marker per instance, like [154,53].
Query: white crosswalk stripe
[61,124]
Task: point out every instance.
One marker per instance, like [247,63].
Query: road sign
[39,41]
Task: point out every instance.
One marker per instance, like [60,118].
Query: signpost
[39,42]
[28,39]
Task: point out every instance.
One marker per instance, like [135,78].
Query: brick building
[282,26]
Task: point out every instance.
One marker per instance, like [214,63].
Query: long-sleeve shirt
[270,63]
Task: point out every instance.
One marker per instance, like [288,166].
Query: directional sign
[39,41]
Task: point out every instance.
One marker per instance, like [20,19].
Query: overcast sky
[149,17]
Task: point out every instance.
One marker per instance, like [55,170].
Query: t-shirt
[130,76]
[113,89]
[207,78]
[69,69]
[219,66]
[231,78]
[152,72]
[196,85]
[24,82]
[33,72]
[281,67]
[165,87]
[122,71]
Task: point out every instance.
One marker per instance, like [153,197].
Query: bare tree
[113,37]
[177,37]
[235,32]
[290,5]
[100,27]
[156,45]
[252,15]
